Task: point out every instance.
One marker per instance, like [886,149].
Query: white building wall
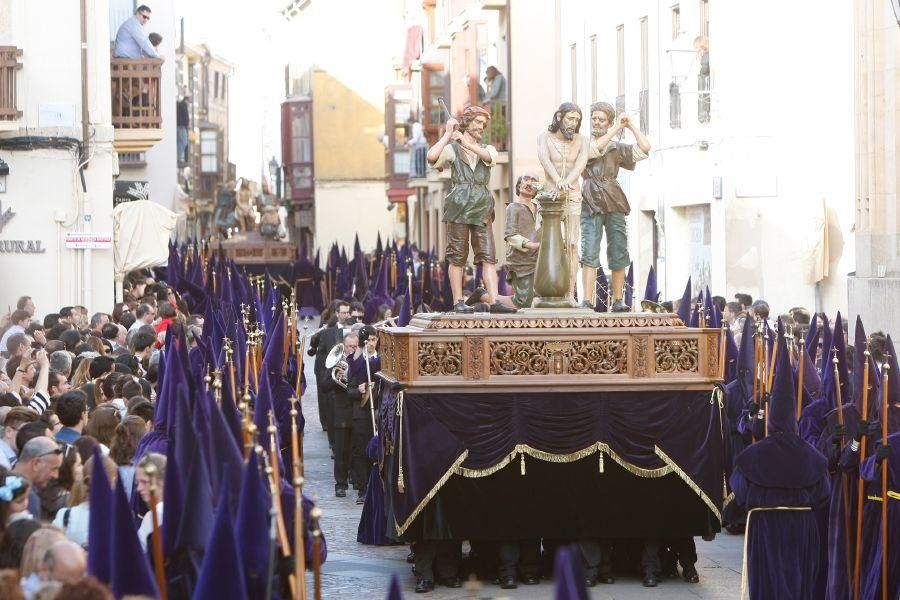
[777,140]
[345,209]
[43,187]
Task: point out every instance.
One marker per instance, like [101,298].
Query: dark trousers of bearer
[519,559]
[596,556]
[440,556]
[343,441]
[359,462]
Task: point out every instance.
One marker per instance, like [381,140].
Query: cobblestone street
[357,571]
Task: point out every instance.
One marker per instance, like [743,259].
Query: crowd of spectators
[71,381]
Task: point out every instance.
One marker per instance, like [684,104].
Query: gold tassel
[601,462]
[401,484]
[522,463]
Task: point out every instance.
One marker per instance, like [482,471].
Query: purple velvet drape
[639,427]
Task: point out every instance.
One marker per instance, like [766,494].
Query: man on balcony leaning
[131,40]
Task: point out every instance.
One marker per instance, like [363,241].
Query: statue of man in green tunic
[469,206]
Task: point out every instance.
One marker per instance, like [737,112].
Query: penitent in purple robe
[841,509]
[780,480]
[870,585]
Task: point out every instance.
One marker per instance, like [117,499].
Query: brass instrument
[652,307]
[336,362]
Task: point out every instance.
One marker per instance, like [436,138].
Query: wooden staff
[800,368]
[884,479]
[860,483]
[158,565]
[409,290]
[766,383]
[286,340]
[229,360]
[845,491]
[299,545]
[275,487]
[315,514]
[722,338]
[300,352]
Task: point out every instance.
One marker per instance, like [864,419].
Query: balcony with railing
[9,64]
[418,162]
[136,103]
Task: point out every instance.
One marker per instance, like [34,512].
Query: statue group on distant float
[579,181]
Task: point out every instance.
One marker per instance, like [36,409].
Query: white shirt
[146,527]
[448,155]
[77,529]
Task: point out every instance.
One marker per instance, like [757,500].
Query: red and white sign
[83,240]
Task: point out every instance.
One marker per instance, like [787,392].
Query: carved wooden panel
[386,350]
[401,357]
[712,354]
[604,357]
[476,357]
[440,358]
[677,356]
[640,366]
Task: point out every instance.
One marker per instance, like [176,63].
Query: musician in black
[358,391]
[342,418]
[320,344]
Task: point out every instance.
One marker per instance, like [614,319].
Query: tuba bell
[336,362]
[652,307]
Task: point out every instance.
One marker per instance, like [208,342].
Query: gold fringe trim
[744,588]
[521,449]
[431,494]
[564,458]
[690,482]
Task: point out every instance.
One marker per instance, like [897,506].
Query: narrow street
[356,571]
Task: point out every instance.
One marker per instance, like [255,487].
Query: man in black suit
[320,345]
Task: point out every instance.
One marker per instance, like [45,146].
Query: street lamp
[275,177]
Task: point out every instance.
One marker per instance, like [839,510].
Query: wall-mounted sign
[21,247]
[128,191]
[83,240]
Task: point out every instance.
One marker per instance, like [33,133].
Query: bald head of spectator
[64,561]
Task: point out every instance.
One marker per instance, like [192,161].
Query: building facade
[202,115]
[447,47]
[57,155]
[333,124]
[743,111]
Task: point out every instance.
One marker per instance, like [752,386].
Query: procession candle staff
[286,344]
[409,288]
[845,489]
[722,355]
[801,367]
[158,566]
[229,360]
[315,514]
[296,460]
[861,484]
[275,488]
[766,382]
[884,479]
